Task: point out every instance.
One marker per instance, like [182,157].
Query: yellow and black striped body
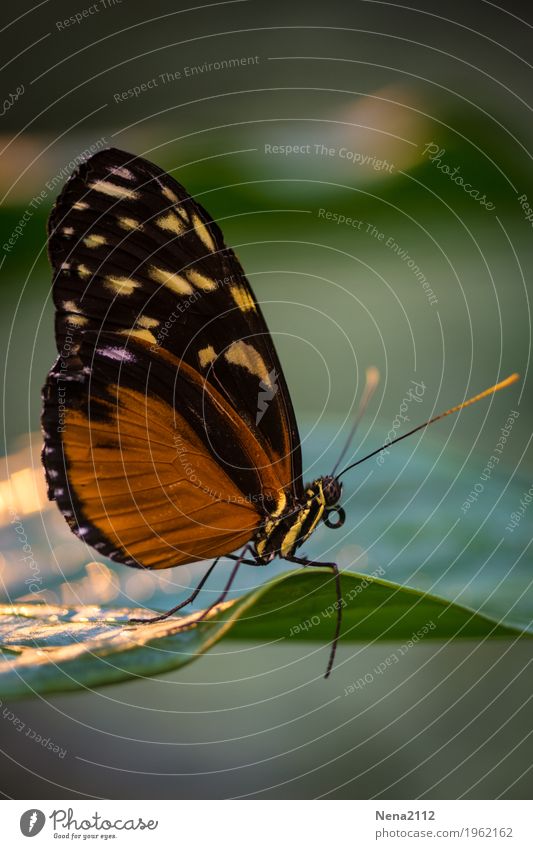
[290,525]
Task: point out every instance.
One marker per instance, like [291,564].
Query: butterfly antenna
[371,383]
[507,382]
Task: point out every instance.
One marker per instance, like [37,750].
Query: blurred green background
[362,91]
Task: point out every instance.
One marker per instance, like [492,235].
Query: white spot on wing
[120,171]
[145,335]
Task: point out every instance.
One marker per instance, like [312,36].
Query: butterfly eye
[341,517]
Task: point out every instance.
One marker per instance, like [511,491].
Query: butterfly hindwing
[135,255]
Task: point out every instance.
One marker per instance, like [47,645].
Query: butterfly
[169,432]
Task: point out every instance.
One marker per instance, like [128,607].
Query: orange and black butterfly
[169,432]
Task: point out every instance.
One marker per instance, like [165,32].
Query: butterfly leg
[302,561]
[181,604]
[239,561]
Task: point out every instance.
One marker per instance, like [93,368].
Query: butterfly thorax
[293,521]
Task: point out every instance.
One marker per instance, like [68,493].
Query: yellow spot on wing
[128,223]
[201,281]
[114,191]
[80,204]
[206,356]
[242,298]
[68,231]
[171,222]
[83,271]
[174,282]
[294,531]
[121,285]
[94,240]
[242,354]
[147,322]
[203,233]
[120,171]
[145,335]
[169,194]
[71,306]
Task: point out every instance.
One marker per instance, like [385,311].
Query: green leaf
[49,649]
